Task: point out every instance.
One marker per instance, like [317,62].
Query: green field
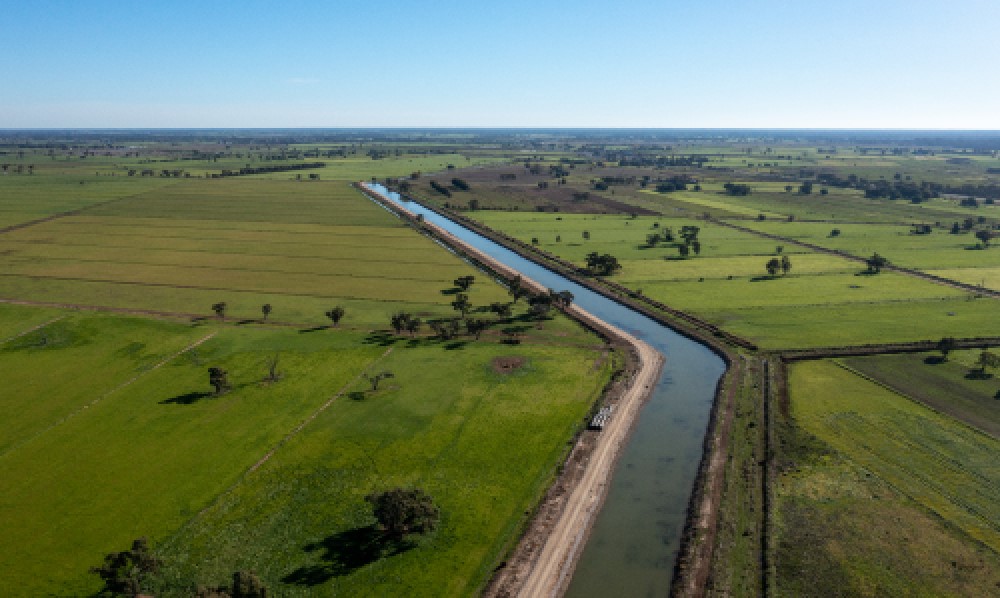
[823,301]
[301,247]
[160,448]
[112,431]
[880,495]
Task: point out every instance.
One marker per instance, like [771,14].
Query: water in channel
[635,539]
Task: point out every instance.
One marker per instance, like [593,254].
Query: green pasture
[858,323]
[55,371]
[939,249]
[24,198]
[184,248]
[880,495]
[481,443]
[823,301]
[943,385]
[99,447]
[16,320]
[142,458]
[621,236]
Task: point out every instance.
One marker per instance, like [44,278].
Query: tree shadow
[978,375]
[381,338]
[357,395]
[934,360]
[451,291]
[453,345]
[187,398]
[248,321]
[345,552]
[314,328]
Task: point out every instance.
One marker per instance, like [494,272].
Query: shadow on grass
[454,345]
[452,291]
[934,360]
[357,395]
[249,321]
[187,398]
[314,328]
[978,375]
[345,552]
[381,338]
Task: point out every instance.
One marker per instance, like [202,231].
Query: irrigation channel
[634,541]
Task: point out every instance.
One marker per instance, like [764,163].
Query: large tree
[123,572]
[404,511]
[219,378]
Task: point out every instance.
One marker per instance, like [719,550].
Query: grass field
[92,407]
[823,301]
[302,247]
[880,495]
[475,439]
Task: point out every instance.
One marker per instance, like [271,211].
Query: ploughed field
[112,430]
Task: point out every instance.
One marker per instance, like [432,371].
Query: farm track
[108,393]
[75,212]
[843,254]
[30,330]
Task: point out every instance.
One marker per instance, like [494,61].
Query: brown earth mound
[508,364]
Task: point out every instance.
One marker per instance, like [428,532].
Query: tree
[563,298]
[335,315]
[379,377]
[502,310]
[773,266]
[220,309]
[124,572]
[984,236]
[273,375]
[266,310]
[399,321]
[219,378]
[413,325]
[946,345]
[987,360]
[586,235]
[464,282]
[652,239]
[461,303]
[806,188]
[602,265]
[246,584]
[475,326]
[683,250]
[875,263]
[404,511]
[786,264]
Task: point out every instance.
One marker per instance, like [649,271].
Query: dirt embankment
[543,562]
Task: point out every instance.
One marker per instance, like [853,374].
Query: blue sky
[442,63]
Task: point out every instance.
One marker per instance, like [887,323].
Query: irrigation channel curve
[634,541]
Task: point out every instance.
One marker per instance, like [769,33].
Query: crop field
[822,301]
[888,496]
[302,247]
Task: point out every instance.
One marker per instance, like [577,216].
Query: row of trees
[335,314]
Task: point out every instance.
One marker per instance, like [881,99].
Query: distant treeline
[267,169]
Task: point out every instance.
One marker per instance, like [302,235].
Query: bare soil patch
[507,364]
